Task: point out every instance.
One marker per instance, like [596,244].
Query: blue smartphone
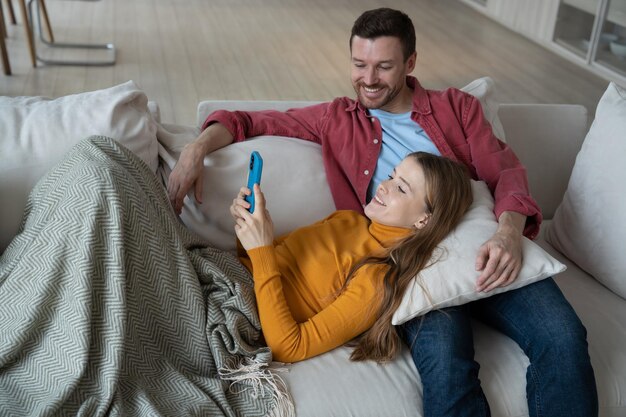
[254,177]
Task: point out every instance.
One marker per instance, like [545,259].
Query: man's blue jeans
[559,379]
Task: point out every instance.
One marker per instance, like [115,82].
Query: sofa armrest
[155,111]
[546,138]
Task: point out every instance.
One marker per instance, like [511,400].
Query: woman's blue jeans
[559,379]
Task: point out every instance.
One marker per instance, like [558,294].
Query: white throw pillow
[293,181]
[589,226]
[35,133]
[451,280]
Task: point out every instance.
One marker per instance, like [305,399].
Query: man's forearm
[214,137]
[511,222]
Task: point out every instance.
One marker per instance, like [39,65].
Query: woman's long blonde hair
[448,196]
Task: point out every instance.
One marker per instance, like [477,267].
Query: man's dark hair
[386,22]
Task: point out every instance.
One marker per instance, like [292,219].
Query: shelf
[617,10]
[617,16]
[589,6]
[611,61]
[577,46]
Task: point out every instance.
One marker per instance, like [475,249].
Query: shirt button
[375,141]
[366,172]
[373,120]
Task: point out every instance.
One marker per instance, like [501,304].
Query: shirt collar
[421,101]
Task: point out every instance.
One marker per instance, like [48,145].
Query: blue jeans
[559,379]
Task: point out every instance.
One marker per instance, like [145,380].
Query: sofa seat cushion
[602,312]
[332,385]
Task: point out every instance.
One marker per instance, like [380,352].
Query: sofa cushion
[320,385]
[590,224]
[602,313]
[538,132]
[451,279]
[294,184]
[35,133]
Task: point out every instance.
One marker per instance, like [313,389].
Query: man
[361,141]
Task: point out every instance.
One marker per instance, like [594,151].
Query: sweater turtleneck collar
[387,234]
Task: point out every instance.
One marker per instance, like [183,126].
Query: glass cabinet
[595,31]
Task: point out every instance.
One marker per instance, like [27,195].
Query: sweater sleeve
[302,123]
[497,165]
[349,315]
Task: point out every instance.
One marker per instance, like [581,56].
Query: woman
[360,266]
[104,287]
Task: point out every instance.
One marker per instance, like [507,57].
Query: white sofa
[547,138]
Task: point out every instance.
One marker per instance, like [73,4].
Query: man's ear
[410,62]
[422,221]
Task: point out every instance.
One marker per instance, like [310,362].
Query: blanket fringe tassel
[248,374]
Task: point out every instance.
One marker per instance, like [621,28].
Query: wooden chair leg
[3,28]
[46,20]
[6,66]
[29,32]
[11,12]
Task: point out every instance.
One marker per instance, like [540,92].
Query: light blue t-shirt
[401,136]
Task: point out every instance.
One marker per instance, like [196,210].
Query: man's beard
[378,103]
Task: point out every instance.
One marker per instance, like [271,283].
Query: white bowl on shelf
[618,48]
[584,44]
[607,38]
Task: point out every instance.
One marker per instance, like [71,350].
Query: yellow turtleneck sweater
[297,282]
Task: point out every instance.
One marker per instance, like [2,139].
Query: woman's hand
[253,229]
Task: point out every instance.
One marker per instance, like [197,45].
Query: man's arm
[500,258]
[222,128]
[495,163]
[187,172]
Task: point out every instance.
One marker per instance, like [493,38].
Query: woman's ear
[422,221]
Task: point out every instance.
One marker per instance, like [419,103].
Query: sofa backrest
[546,138]
[209,106]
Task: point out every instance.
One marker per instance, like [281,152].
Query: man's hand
[253,229]
[187,172]
[500,258]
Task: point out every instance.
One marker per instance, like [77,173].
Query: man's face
[379,71]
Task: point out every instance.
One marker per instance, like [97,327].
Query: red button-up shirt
[351,141]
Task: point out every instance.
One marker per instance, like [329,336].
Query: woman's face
[401,200]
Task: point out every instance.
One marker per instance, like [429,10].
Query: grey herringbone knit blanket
[110,307]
